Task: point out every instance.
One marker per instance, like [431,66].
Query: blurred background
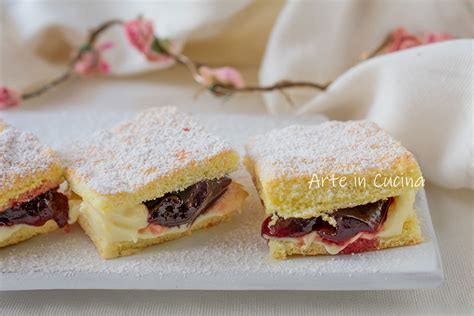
[267,41]
[43,35]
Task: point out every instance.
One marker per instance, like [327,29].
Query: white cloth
[423,96]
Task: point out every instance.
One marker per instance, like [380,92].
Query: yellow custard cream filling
[397,214]
[129,224]
[401,210]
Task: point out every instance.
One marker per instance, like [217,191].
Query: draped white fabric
[423,96]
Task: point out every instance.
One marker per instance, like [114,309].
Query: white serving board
[230,256]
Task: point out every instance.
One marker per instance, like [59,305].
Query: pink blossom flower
[401,39]
[91,61]
[141,35]
[224,75]
[430,38]
[9,98]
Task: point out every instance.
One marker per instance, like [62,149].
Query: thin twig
[36,93]
[287,97]
[92,38]
[192,66]
[218,89]
[95,33]
[221,89]
[280,85]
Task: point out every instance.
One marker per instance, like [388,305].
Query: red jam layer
[183,207]
[351,221]
[39,210]
[360,245]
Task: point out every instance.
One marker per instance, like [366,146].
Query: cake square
[315,176]
[150,179]
[33,197]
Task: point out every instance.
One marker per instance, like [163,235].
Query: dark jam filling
[183,207]
[366,218]
[39,210]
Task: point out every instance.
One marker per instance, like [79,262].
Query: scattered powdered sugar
[231,255]
[21,155]
[329,148]
[136,152]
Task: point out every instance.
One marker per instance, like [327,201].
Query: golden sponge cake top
[158,151]
[25,165]
[329,148]
[284,162]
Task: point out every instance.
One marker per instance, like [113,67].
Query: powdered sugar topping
[329,148]
[136,152]
[231,255]
[21,155]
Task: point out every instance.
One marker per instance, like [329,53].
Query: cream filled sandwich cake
[154,178]
[33,192]
[334,188]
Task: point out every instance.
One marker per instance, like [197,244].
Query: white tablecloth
[451,212]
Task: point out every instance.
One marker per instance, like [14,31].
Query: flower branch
[227,80]
[280,85]
[222,81]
